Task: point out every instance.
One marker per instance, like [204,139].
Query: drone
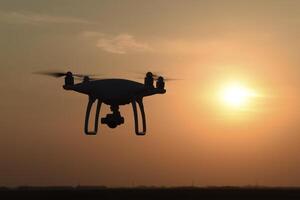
[114,93]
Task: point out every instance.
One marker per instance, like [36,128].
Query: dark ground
[149,193]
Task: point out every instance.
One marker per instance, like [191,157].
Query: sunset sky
[233,119]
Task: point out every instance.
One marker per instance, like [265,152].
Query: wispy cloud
[34,18]
[119,44]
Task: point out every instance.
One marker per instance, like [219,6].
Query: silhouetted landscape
[142,192]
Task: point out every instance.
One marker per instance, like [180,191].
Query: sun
[235,95]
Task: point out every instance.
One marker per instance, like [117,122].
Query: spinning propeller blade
[156,75]
[54,74]
[57,74]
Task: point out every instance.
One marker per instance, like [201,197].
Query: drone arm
[87,116]
[136,122]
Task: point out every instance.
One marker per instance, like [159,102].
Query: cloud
[33,18]
[119,44]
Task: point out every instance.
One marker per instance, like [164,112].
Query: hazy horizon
[193,136]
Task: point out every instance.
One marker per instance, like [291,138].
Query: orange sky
[192,137]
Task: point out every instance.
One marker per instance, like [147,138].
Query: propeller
[58,74]
[156,75]
[170,79]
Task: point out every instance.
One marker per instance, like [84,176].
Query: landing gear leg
[87,116]
[135,114]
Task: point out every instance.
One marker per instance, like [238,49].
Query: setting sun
[235,95]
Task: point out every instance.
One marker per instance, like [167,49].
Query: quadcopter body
[115,92]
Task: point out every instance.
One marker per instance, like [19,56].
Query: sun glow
[235,95]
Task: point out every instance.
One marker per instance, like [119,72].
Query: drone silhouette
[113,92]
